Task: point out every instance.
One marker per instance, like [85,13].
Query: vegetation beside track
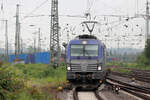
[144,58]
[142,62]
[129,65]
[125,67]
[29,82]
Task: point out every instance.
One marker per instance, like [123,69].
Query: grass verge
[25,81]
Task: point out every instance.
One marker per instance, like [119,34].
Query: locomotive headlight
[84,42]
[99,68]
[68,68]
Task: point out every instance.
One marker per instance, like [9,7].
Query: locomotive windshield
[91,50]
[76,50]
[84,50]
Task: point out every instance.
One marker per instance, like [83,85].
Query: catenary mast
[54,35]
[17,35]
[147,20]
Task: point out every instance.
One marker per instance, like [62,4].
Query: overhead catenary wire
[43,15]
[116,10]
[137,7]
[35,9]
[65,16]
[90,4]
[122,22]
[114,26]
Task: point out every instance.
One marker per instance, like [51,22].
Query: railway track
[136,90]
[138,77]
[128,85]
[77,97]
[97,95]
[137,72]
[141,92]
[75,94]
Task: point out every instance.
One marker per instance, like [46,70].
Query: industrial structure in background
[54,35]
[17,35]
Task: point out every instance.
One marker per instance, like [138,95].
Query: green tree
[147,49]
[143,60]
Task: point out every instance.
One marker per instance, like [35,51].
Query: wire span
[35,9]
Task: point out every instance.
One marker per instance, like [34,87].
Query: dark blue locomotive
[86,60]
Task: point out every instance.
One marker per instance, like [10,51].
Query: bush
[1,63]
[24,82]
[143,60]
[10,84]
[147,49]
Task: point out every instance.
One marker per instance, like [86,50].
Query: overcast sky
[75,7]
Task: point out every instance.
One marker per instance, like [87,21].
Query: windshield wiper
[80,54]
[89,57]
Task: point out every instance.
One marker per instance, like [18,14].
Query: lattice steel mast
[54,35]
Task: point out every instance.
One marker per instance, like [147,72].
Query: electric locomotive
[85,60]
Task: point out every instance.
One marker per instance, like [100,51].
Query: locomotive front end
[85,61]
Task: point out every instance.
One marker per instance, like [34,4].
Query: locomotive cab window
[91,50]
[84,50]
[76,50]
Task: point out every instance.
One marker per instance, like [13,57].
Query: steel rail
[97,95]
[75,94]
[145,97]
[131,91]
[137,77]
[138,88]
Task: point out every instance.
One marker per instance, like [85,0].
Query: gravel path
[65,95]
[86,96]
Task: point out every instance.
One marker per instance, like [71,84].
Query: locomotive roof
[86,37]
